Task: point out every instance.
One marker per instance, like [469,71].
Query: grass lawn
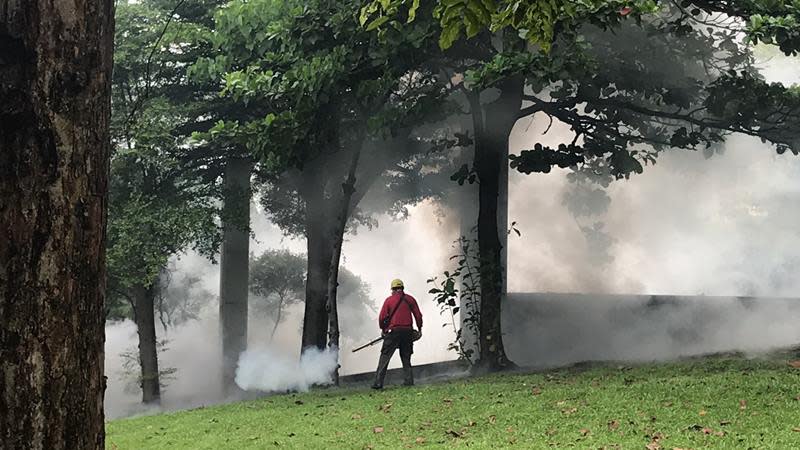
[708,403]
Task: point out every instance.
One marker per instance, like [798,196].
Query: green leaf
[412,12]
[377,22]
[449,35]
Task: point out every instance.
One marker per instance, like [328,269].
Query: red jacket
[401,317]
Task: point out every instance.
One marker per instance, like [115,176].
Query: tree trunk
[337,238]
[145,317]
[277,319]
[493,124]
[55,67]
[320,252]
[234,266]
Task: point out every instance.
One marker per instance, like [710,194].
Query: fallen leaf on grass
[795,363]
[471,423]
[796,429]
[569,411]
[585,431]
[702,412]
[492,419]
[377,430]
[707,430]
[536,391]
[613,425]
[356,416]
[420,440]
[742,404]
[653,446]
[386,407]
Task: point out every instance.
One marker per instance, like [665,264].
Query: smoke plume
[724,226]
[271,371]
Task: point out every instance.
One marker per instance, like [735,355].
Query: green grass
[712,403]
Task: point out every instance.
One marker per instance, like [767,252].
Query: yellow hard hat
[397,283]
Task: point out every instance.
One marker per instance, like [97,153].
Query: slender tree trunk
[234,266]
[320,252]
[337,238]
[55,67]
[277,319]
[493,124]
[144,315]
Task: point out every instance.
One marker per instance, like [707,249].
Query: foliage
[464,301]
[310,79]
[628,95]
[132,374]
[180,299]
[357,309]
[156,208]
[535,20]
[587,201]
[703,403]
[540,21]
[277,280]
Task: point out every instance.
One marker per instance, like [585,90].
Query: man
[397,327]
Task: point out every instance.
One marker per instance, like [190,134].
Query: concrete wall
[546,330]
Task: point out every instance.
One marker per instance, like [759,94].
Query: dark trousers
[404,340]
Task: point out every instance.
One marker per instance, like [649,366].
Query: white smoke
[271,371]
[686,226]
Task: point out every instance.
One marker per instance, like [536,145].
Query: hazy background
[726,226]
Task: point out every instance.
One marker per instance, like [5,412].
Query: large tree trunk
[144,314]
[493,124]
[320,252]
[337,239]
[55,67]
[234,265]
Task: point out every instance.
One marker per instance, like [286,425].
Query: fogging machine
[415,337]
[370,343]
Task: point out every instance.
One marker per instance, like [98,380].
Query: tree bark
[234,268]
[320,252]
[145,317]
[337,238]
[493,124]
[55,67]
[277,319]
